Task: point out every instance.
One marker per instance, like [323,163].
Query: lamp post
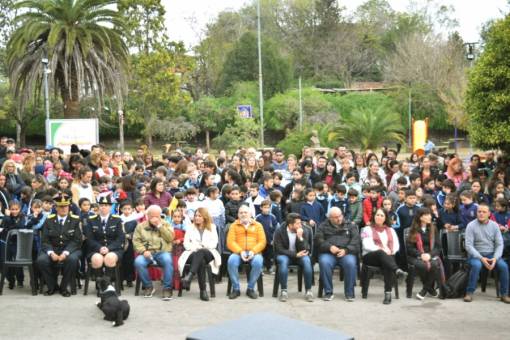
[46,71]
[470,57]
[121,129]
[261,91]
[300,106]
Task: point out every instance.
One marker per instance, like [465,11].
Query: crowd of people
[178,216]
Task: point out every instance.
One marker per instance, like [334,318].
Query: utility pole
[300,106]
[46,71]
[261,91]
[410,119]
[121,129]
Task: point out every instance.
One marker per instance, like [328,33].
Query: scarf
[377,240]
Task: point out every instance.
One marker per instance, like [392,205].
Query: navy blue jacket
[467,214]
[313,211]
[448,217]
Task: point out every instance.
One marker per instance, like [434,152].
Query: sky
[186,19]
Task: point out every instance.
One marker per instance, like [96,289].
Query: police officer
[61,242]
[105,239]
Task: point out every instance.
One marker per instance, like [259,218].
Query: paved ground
[23,316]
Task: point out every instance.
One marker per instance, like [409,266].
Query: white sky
[471,14]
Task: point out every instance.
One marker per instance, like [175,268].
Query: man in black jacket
[61,244]
[338,243]
[292,246]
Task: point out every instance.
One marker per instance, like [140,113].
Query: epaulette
[115,215]
[91,217]
[52,215]
[74,216]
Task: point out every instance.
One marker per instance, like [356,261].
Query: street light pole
[300,106]
[121,130]
[410,119]
[46,94]
[261,91]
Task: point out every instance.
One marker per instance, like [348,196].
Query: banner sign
[245,111]
[62,133]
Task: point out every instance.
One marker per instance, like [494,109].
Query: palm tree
[83,42]
[369,128]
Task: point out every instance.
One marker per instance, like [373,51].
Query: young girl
[178,248]
[479,196]
[387,205]
[35,222]
[449,217]
[129,221]
[467,209]
[501,215]
[14,219]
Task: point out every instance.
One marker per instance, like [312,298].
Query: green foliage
[242,133]
[368,128]
[241,64]
[345,104]
[294,142]
[282,111]
[488,94]
[85,54]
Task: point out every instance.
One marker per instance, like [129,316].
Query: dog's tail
[120,319]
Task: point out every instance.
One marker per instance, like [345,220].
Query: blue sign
[245,111]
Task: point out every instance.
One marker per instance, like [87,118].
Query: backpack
[456,285]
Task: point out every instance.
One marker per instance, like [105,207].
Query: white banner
[62,133]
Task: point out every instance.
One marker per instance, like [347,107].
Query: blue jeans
[164,259]
[476,267]
[234,261]
[283,269]
[327,263]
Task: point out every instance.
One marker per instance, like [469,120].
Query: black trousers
[48,269]
[427,276]
[128,267]
[386,262]
[197,261]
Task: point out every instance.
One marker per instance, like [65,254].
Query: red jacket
[367,208]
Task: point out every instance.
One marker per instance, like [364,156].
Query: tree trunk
[71,108]
[207,140]
[23,135]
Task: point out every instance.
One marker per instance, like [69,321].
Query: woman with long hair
[423,249]
[157,195]
[455,171]
[200,242]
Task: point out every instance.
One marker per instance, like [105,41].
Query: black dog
[114,309]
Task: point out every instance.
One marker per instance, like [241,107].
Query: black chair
[320,291]
[74,283]
[118,282]
[23,257]
[366,273]
[411,271]
[484,275]
[210,278]
[246,267]
[455,252]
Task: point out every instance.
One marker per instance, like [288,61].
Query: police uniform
[60,235]
[105,232]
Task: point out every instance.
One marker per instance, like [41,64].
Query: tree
[206,114]
[156,95]
[488,93]
[145,23]
[86,55]
[242,65]
[369,128]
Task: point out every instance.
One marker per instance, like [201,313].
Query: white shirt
[369,245]
[292,240]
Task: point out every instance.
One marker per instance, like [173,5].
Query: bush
[295,141]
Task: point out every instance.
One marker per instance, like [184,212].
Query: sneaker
[284,296]
[309,296]
[468,297]
[329,297]
[234,294]
[505,299]
[167,294]
[433,293]
[148,292]
[400,273]
[252,294]
[349,298]
[421,295]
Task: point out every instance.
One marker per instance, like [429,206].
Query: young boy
[429,186]
[371,204]
[129,221]
[405,213]
[415,180]
[340,200]
[232,206]
[47,205]
[355,207]
[277,181]
[254,200]
[447,188]
[266,187]
[270,224]
[311,210]
[276,209]
[173,186]
[35,221]
[321,194]
[192,202]
[467,208]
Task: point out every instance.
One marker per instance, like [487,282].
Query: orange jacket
[241,239]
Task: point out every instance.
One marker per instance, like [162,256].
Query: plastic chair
[23,257]
[411,272]
[366,273]
[210,277]
[455,252]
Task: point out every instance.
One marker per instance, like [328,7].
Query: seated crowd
[179,216]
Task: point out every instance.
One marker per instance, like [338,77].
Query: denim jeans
[234,261]
[164,259]
[476,267]
[327,263]
[283,269]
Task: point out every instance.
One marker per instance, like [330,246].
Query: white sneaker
[284,296]
[309,296]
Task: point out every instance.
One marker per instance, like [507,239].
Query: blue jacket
[448,217]
[405,215]
[467,214]
[313,211]
[270,224]
[342,204]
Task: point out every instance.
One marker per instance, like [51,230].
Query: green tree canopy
[488,94]
[242,65]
